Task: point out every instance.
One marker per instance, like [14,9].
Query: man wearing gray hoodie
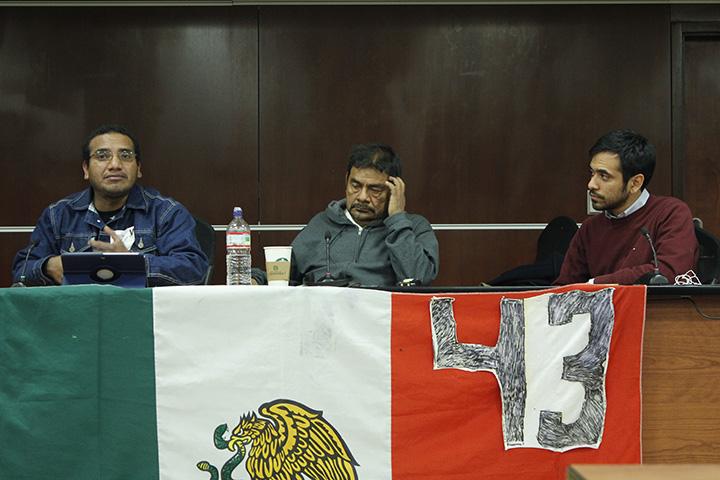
[371,240]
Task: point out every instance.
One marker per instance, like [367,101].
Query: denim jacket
[164,232]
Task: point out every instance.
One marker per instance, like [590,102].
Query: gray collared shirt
[637,205]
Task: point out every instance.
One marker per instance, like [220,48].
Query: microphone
[328,279]
[653,278]
[21,282]
[328,276]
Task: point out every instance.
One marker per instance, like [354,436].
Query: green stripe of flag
[77,391]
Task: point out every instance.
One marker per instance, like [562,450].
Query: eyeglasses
[105,154]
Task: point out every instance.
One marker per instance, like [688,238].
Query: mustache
[362,206]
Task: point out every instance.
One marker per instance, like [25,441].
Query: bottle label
[237,240]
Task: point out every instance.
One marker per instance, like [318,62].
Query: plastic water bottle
[238,260]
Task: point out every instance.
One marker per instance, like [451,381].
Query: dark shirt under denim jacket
[164,232]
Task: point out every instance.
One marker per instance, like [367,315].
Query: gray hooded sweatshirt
[383,253]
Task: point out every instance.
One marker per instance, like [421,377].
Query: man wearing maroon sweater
[610,247]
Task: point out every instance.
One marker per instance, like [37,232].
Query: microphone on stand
[328,275]
[655,277]
[21,281]
[328,279]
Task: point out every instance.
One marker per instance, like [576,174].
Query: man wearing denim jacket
[114,215]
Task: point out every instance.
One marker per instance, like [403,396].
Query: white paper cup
[277,265]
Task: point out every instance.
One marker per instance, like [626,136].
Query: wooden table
[644,472]
[681,381]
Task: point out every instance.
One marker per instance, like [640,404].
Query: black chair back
[708,264]
[555,238]
[552,244]
[205,234]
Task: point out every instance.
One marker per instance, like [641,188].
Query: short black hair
[102,130]
[637,155]
[375,155]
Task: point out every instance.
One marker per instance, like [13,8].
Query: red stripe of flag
[446,424]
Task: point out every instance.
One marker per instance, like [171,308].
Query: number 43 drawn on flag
[550,361]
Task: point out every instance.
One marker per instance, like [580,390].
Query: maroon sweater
[614,251]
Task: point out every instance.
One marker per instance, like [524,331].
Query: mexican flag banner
[317,382]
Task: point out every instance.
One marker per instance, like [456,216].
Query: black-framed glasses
[105,154]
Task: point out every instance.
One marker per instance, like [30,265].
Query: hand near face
[116,246]
[396,203]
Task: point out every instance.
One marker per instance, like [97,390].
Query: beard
[604,204]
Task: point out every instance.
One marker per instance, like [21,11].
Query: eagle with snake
[292,442]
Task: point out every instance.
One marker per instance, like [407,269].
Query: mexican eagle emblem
[292,442]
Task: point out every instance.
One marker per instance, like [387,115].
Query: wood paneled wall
[491,108]
[702,128]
